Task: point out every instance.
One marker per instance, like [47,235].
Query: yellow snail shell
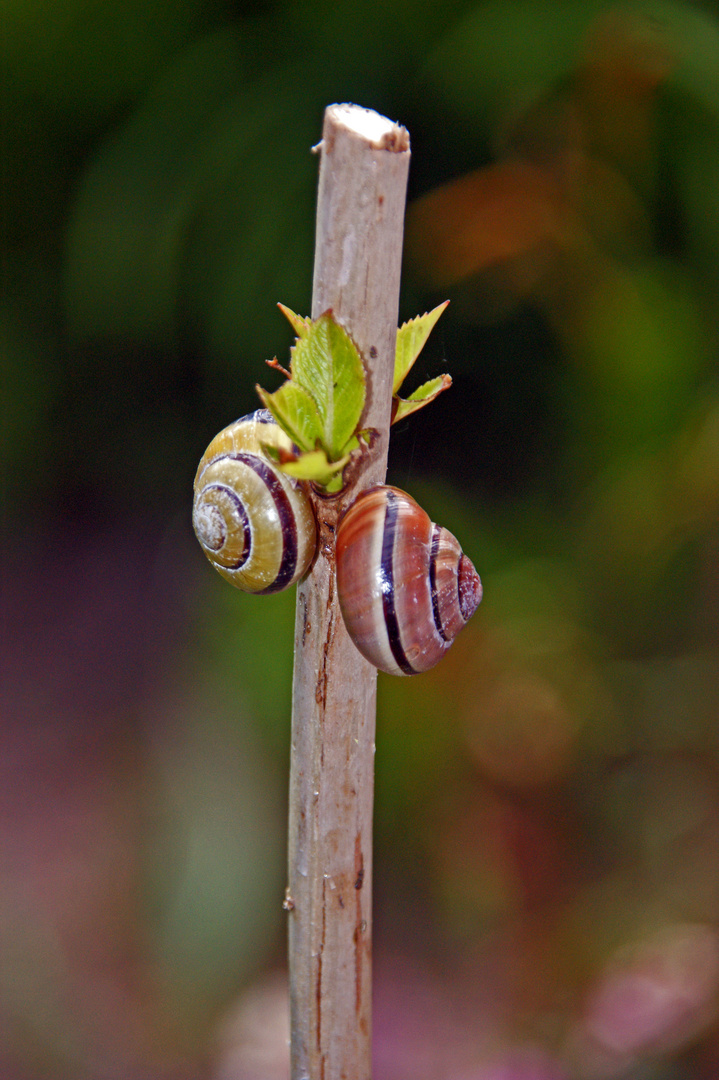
[254,523]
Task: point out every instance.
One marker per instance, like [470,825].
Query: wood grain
[358,251]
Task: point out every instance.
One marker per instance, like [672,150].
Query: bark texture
[358,251]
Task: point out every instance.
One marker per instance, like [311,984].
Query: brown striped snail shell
[405,588]
[254,523]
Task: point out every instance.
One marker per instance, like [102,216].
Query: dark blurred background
[547,817]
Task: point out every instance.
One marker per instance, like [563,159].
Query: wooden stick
[360,220]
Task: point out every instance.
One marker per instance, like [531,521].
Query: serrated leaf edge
[430,319]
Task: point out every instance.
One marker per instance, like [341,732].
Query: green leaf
[315,466]
[296,413]
[327,365]
[320,405]
[420,397]
[301,324]
[334,485]
[411,338]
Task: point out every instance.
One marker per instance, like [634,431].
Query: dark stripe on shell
[433,555]
[387,580]
[244,522]
[286,515]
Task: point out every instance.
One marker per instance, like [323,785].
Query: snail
[405,588]
[255,523]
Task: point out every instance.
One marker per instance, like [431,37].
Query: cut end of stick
[377,130]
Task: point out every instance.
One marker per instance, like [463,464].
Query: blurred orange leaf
[491,215]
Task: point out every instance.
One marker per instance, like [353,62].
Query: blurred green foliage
[549,796]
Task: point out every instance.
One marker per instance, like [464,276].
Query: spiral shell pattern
[254,523]
[405,588]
